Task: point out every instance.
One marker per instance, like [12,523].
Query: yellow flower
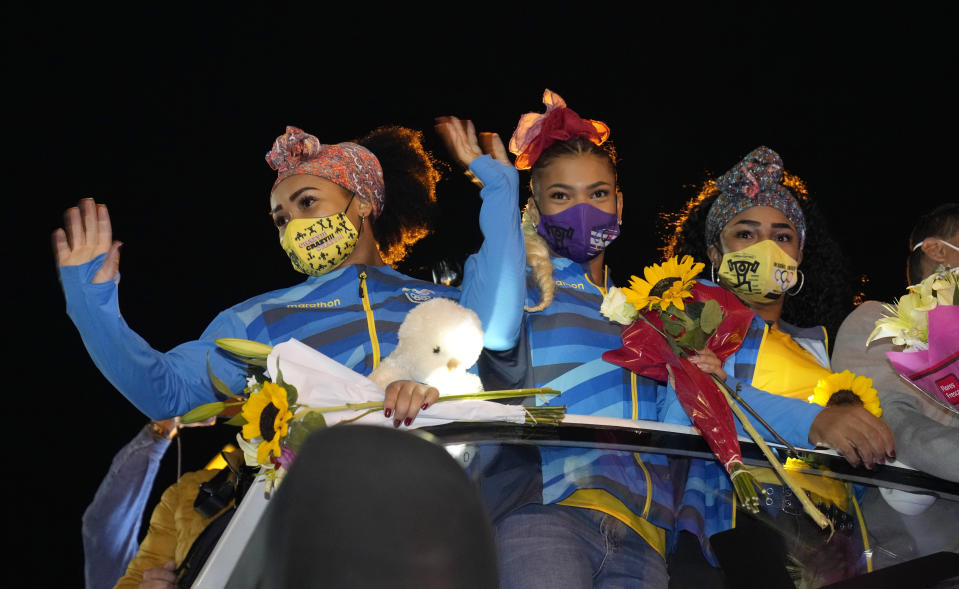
[845,388]
[267,413]
[907,324]
[937,289]
[665,284]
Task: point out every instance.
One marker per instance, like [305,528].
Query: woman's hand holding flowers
[405,398]
[707,361]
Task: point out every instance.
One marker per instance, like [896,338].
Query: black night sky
[165,114]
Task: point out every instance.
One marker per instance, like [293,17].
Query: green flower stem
[505,394]
[481,396]
[545,415]
[348,407]
[821,520]
[656,329]
[790,449]
[744,486]
[352,419]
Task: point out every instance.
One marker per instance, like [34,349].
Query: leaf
[296,435]
[681,316]
[680,353]
[237,420]
[673,328]
[217,383]
[694,309]
[313,421]
[693,339]
[291,393]
[203,412]
[300,430]
[712,316]
[675,324]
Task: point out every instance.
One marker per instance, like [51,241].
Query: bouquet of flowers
[926,322]
[293,389]
[669,316]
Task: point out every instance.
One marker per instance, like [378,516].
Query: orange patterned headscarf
[348,165]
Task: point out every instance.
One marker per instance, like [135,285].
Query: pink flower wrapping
[935,371]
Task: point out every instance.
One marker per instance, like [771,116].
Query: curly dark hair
[827,295]
[942,222]
[410,178]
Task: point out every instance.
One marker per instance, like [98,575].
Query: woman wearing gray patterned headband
[753,225]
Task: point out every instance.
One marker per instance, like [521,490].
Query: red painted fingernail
[396,423]
[387,413]
[425,405]
[408,421]
[892,453]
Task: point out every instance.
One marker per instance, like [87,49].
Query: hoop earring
[712,272]
[802,282]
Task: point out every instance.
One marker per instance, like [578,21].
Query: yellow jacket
[174,526]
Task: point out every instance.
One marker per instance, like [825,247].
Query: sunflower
[666,284]
[267,413]
[845,388]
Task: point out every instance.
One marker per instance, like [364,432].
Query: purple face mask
[580,232]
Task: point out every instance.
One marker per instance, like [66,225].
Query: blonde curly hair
[537,258]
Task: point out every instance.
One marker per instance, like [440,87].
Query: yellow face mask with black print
[760,273]
[319,245]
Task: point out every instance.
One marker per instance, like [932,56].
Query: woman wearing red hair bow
[572,517]
[342,212]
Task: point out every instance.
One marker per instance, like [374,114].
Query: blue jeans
[554,546]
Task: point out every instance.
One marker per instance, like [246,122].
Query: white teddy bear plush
[438,341]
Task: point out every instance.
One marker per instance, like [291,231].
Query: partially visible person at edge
[905,525]
[370,198]
[111,523]
[186,509]
[759,214]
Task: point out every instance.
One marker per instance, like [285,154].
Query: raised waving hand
[86,234]
[463,143]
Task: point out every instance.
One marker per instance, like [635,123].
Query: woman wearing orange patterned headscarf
[343,212]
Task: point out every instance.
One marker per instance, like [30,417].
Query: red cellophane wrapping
[646,352]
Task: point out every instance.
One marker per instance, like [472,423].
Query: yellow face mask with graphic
[317,246]
[760,273]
